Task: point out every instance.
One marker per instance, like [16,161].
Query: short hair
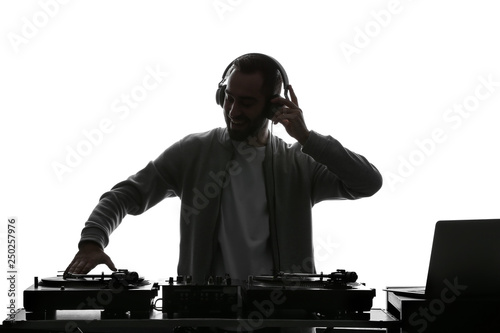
[251,63]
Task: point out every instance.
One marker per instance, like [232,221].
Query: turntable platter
[122,277]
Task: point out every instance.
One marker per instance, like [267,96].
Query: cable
[158,308]
[278,257]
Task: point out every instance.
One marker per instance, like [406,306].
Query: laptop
[464,263]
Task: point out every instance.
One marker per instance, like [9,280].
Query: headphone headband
[221,90]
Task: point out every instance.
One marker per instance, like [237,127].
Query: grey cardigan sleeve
[133,196]
[358,177]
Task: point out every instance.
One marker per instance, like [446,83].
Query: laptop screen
[465,260]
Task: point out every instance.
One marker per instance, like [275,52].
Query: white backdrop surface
[93,90]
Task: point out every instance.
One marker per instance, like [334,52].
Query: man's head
[252,81]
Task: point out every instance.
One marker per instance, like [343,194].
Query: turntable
[335,295]
[115,294]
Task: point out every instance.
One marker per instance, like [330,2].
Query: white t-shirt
[244,237]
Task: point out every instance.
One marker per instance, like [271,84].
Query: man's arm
[355,176]
[133,196]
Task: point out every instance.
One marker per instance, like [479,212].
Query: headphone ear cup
[270,111]
[220,95]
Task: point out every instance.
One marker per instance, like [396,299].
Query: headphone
[220,95]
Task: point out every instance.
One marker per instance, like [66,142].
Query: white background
[380,76]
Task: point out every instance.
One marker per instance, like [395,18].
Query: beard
[249,128]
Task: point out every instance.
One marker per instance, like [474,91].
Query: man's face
[244,105]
